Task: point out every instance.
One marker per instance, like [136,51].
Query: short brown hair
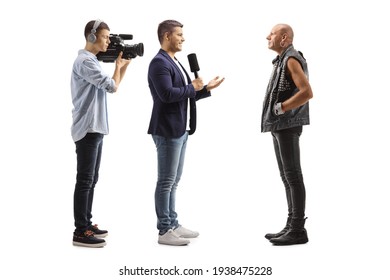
[167,26]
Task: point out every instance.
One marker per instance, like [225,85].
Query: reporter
[174,97]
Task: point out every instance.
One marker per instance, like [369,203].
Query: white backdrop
[230,191]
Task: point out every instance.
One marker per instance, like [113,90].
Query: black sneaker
[87,239]
[99,233]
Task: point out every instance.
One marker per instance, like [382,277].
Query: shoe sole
[101,235]
[189,236]
[174,244]
[287,244]
[96,245]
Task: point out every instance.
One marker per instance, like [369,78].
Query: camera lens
[139,49]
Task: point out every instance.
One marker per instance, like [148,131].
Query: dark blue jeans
[89,152]
[286,144]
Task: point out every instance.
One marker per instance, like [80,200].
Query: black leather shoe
[276,235]
[283,231]
[291,237]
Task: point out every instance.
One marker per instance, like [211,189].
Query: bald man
[285,112]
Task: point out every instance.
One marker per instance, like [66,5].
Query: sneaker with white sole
[185,232]
[87,239]
[99,233]
[171,238]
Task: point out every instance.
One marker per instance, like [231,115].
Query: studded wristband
[278,109]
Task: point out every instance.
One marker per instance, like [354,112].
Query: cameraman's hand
[214,83]
[198,84]
[120,69]
[121,62]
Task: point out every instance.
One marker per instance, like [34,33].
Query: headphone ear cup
[92,38]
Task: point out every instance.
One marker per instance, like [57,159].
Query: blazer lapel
[175,66]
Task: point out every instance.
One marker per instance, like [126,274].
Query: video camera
[117,45]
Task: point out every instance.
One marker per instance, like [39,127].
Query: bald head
[280,37]
[285,29]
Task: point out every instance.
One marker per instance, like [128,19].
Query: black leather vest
[280,88]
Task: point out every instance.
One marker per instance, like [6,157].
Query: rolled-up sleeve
[94,75]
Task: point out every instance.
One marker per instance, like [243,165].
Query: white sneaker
[171,238]
[185,233]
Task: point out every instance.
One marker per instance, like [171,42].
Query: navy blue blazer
[171,94]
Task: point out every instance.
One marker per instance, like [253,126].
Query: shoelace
[95,226]
[88,233]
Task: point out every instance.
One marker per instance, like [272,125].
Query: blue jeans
[286,145]
[89,152]
[170,156]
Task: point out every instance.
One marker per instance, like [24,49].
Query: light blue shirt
[89,85]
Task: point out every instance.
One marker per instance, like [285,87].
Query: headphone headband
[95,26]
[92,37]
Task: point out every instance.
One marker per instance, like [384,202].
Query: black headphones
[92,37]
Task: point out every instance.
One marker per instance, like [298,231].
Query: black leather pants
[286,144]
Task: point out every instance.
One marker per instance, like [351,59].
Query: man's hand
[121,62]
[214,83]
[198,84]
[120,69]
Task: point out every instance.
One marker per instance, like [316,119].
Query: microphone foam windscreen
[193,62]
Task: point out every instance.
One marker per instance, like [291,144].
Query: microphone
[193,64]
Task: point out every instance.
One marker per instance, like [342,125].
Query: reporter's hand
[198,84]
[214,83]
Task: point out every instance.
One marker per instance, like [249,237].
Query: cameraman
[89,85]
